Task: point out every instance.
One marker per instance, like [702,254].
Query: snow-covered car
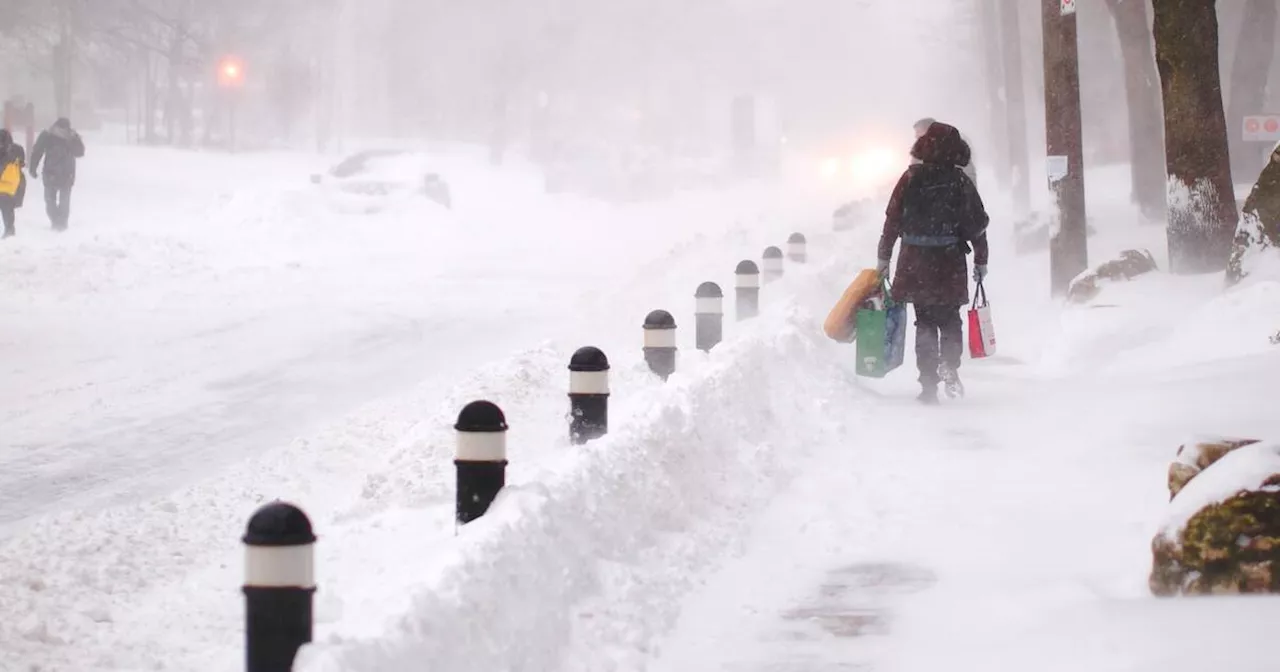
[380,173]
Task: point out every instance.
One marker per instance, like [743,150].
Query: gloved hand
[882,267]
[979,272]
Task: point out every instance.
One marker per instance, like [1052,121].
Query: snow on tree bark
[1259,230]
[1202,212]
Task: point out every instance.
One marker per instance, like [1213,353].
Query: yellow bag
[841,322]
[10,179]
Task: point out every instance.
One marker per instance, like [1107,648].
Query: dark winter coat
[936,211]
[58,147]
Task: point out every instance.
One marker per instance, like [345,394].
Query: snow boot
[951,381]
[928,395]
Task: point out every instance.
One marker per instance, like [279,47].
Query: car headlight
[830,168]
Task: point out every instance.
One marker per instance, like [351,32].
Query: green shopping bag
[882,334]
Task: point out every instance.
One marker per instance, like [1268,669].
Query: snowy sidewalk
[1009,531]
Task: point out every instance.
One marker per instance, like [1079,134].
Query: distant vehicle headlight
[830,168]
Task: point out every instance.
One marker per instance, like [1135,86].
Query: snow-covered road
[188,322]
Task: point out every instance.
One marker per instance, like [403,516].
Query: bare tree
[1202,211]
[988,34]
[1019,152]
[1255,51]
[1142,95]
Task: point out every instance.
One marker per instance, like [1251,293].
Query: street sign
[1068,7]
[1057,168]
[1261,128]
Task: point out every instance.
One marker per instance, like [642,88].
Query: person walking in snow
[13,184]
[936,212]
[61,146]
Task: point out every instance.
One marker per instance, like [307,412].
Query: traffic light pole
[1068,244]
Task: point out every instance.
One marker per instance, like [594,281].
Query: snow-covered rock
[1222,532]
[1128,266]
[1196,456]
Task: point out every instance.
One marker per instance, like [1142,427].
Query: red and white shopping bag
[982,335]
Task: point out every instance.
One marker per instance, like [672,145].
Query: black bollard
[747,290]
[588,395]
[772,264]
[660,343]
[481,458]
[797,248]
[709,315]
[279,583]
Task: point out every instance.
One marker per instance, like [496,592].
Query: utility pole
[1016,107]
[1068,245]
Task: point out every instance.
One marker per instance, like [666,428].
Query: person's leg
[64,206]
[51,202]
[951,348]
[9,216]
[927,351]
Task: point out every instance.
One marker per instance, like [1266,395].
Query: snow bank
[631,518]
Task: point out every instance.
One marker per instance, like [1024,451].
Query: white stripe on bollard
[709,306]
[482,446]
[796,250]
[659,338]
[280,566]
[772,264]
[747,281]
[589,382]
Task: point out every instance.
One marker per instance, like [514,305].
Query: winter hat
[941,144]
[63,123]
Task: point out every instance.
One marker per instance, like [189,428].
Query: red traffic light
[230,72]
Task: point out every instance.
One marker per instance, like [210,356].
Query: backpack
[10,179]
[933,204]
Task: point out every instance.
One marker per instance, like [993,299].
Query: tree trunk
[989,35]
[172,96]
[1202,210]
[1249,75]
[63,60]
[1142,92]
[1019,160]
[1068,244]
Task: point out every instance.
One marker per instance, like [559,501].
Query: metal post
[709,316]
[481,458]
[588,395]
[279,584]
[660,343]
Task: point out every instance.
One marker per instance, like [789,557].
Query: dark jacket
[58,147]
[936,210]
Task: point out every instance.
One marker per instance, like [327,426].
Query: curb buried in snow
[645,508]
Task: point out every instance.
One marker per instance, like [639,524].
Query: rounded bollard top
[772,252]
[659,319]
[796,238]
[279,524]
[747,267]
[708,290]
[481,416]
[589,358]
